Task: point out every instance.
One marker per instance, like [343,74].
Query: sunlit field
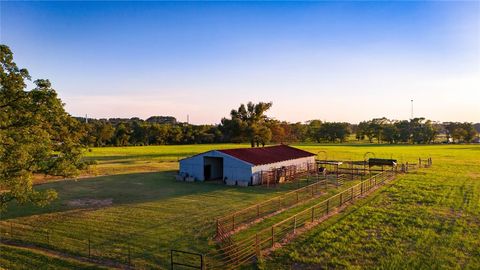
[427,219]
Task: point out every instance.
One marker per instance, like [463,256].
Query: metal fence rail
[229,223]
[238,253]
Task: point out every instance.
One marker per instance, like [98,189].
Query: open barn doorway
[212,168]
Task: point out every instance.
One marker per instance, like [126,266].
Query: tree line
[249,123]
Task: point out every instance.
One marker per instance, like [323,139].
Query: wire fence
[119,253]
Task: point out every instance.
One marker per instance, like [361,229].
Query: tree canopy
[250,122]
[36,135]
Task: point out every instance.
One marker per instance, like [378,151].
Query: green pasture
[424,220]
[428,217]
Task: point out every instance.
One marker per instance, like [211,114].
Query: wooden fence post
[361,188]
[341,199]
[313,213]
[202,262]
[328,204]
[233,222]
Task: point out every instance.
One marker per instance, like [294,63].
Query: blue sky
[334,61]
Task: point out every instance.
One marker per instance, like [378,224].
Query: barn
[244,166]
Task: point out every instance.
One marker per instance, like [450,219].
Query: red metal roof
[267,155]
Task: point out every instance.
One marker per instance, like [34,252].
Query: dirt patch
[88,202]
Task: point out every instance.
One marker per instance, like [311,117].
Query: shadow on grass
[132,189]
[171,155]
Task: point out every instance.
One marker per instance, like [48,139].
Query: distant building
[244,165]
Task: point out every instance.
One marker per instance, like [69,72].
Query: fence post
[89,247]
[257,247]
[361,188]
[351,165]
[48,236]
[258,210]
[273,236]
[11,229]
[328,205]
[171,259]
[233,222]
[313,213]
[129,255]
[218,228]
[419,162]
[297,195]
[294,224]
[202,266]
[341,199]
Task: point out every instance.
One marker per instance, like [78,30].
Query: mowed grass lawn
[429,218]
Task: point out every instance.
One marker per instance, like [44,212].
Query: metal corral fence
[286,174]
[238,253]
[229,223]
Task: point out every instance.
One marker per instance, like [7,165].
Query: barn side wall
[233,169]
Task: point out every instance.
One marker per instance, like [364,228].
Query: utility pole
[86,119]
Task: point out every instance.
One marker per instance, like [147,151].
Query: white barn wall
[233,168]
